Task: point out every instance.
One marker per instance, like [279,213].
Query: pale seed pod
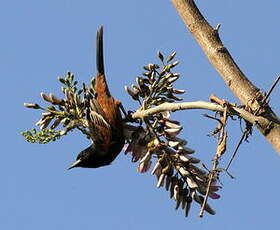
[31,106]
[45,97]
[46,114]
[56,123]
[130,92]
[191,183]
[147,157]
[178,91]
[55,100]
[174,181]
[184,172]
[135,88]
[77,99]
[174,64]
[62,132]
[176,192]
[172,124]
[172,79]
[40,122]
[172,131]
[151,66]
[45,122]
[184,158]
[182,141]
[185,150]
[144,166]
[157,165]
[160,182]
[173,144]
[170,58]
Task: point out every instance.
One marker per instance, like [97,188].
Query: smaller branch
[257,120]
[245,135]
[271,89]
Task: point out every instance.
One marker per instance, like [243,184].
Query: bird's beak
[75,164]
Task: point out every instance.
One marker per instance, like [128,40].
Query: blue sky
[41,40]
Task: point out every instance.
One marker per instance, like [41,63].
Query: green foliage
[43,136]
[68,112]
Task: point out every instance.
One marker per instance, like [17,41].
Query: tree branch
[256,120]
[218,55]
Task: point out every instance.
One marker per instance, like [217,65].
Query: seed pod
[176,192]
[170,58]
[61,80]
[174,181]
[172,79]
[168,170]
[197,171]
[199,199]
[157,165]
[31,106]
[174,64]
[46,122]
[46,98]
[147,157]
[55,100]
[172,124]
[184,201]
[160,56]
[173,144]
[178,91]
[40,122]
[188,206]
[167,182]
[185,150]
[56,123]
[191,183]
[134,94]
[146,68]
[184,158]
[160,182]
[171,96]
[172,131]
[177,139]
[184,172]
[178,202]
[77,99]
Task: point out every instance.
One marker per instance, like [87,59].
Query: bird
[104,119]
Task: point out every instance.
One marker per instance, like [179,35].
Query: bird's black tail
[99,51]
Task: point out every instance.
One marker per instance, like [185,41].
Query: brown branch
[218,55]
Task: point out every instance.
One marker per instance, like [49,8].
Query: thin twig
[271,89]
[235,151]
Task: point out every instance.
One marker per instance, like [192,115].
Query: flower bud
[31,106]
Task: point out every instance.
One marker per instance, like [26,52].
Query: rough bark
[248,94]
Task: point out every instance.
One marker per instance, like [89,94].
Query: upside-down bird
[104,120]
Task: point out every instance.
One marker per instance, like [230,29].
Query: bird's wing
[99,128]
